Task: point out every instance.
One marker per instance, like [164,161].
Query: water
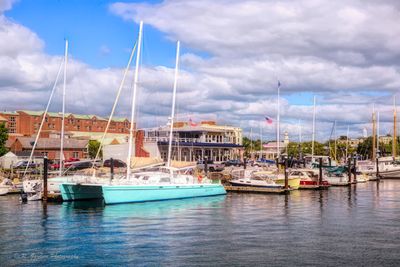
[357,226]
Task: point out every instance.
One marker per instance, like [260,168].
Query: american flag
[191,123]
[268,120]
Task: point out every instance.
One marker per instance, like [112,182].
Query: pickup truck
[212,167]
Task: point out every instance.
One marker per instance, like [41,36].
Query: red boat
[309,178]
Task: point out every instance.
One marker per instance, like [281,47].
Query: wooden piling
[286,174]
[349,170]
[355,169]
[320,172]
[111,169]
[205,165]
[45,176]
[378,176]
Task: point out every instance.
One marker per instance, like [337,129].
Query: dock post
[45,168]
[330,162]
[355,169]
[205,166]
[378,176]
[286,174]
[112,168]
[349,170]
[320,172]
[244,163]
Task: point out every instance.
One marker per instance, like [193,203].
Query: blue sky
[90,28]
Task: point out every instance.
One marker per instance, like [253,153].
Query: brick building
[27,123]
[50,147]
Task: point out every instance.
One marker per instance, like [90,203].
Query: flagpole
[278,123]
[313,133]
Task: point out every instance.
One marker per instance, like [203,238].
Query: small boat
[253,179]
[309,178]
[4,190]
[293,182]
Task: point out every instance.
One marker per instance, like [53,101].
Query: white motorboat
[250,178]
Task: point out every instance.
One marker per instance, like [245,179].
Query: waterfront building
[27,123]
[50,147]
[192,142]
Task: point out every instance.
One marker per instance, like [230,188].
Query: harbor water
[357,226]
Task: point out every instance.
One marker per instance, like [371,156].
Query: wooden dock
[252,189]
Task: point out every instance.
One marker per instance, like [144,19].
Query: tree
[294,149]
[3,139]
[93,148]
[365,148]
[251,146]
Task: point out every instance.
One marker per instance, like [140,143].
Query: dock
[252,189]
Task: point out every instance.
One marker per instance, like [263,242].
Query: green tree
[251,146]
[365,148]
[294,149]
[3,139]
[93,148]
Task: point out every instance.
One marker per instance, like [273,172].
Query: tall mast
[300,152]
[313,132]
[63,109]
[173,103]
[135,82]
[373,156]
[394,141]
[261,141]
[278,125]
[334,134]
[377,134]
[251,142]
[347,142]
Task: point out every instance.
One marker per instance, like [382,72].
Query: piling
[349,170]
[378,176]
[355,169]
[320,172]
[330,161]
[286,174]
[244,163]
[45,176]
[206,166]
[111,169]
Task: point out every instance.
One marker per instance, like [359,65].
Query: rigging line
[44,117]
[114,106]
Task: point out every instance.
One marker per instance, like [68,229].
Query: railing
[182,140]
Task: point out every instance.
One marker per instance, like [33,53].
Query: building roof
[59,115]
[119,119]
[51,143]
[2,118]
[9,112]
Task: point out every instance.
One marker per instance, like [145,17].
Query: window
[78,127]
[46,119]
[45,154]
[75,155]
[12,118]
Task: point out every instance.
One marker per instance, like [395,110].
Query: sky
[346,53]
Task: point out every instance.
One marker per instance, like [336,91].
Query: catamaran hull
[131,193]
[71,192]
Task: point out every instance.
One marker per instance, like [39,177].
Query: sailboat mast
[347,142]
[313,132]
[300,151]
[394,141]
[373,156]
[171,129]
[135,82]
[278,124]
[63,109]
[377,134]
[335,149]
[261,141]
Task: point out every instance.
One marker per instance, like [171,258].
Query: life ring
[199,178]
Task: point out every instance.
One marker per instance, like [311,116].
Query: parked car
[116,162]
[213,167]
[67,163]
[80,165]
[233,162]
[23,163]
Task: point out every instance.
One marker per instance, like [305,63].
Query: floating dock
[252,189]
[313,187]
